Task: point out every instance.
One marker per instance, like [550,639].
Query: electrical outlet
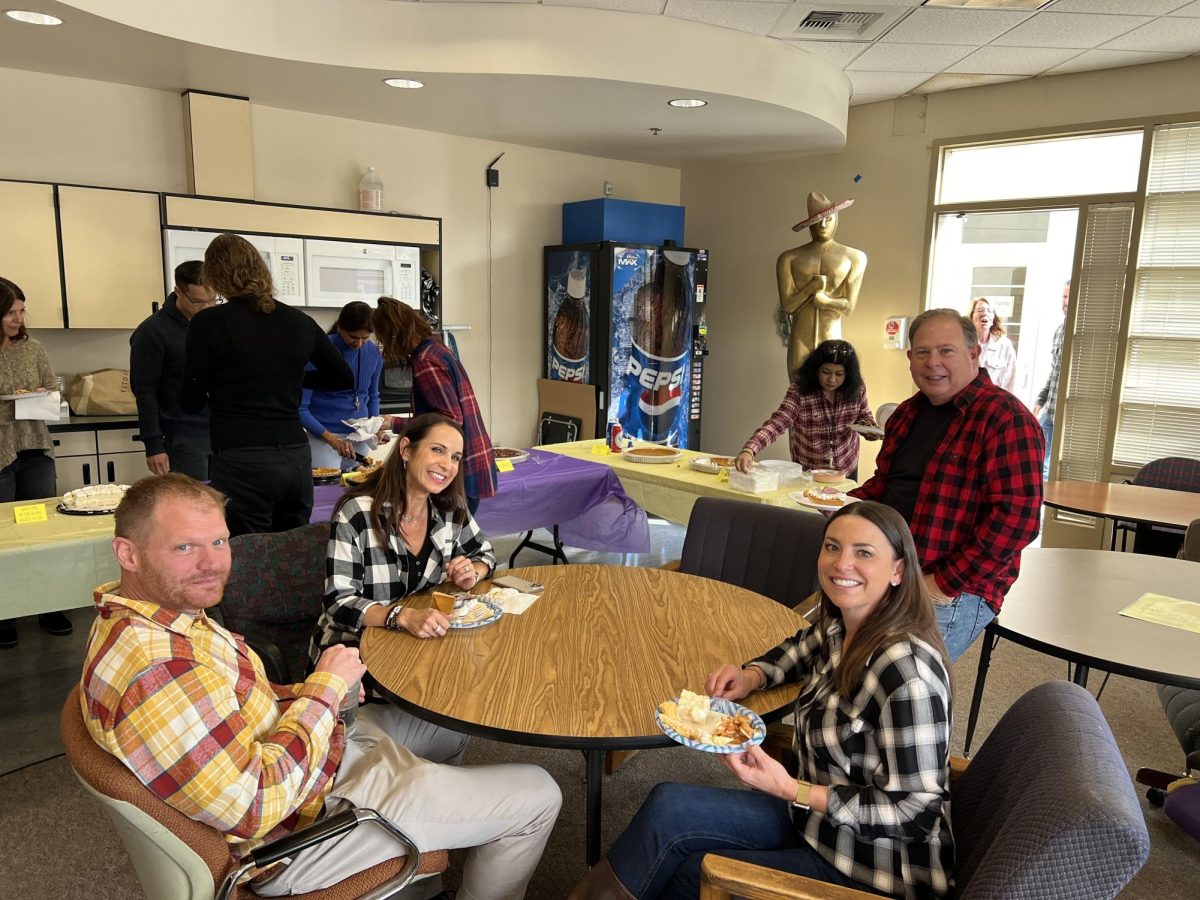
[608,188]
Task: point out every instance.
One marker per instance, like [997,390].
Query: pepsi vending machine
[630,319]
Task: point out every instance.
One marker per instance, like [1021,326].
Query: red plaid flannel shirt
[819,438]
[980,501]
[440,385]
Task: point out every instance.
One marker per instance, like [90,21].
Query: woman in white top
[996,351]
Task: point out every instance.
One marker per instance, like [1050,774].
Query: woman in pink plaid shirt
[827,397]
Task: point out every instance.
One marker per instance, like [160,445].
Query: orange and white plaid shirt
[187,707]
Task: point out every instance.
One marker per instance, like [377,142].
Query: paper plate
[727,708]
[803,500]
[513,455]
[867,430]
[659,456]
[493,616]
[710,465]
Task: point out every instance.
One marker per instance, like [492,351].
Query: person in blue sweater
[324,412]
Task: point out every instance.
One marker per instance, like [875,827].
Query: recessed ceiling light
[687,102]
[409,83]
[32,18]
[989,4]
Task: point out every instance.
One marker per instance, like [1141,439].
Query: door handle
[87,473]
[112,472]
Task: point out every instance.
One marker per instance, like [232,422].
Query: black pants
[269,488]
[30,476]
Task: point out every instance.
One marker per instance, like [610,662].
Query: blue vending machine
[630,319]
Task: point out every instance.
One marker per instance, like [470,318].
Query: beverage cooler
[630,319]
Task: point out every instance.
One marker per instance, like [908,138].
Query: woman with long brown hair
[439,384]
[997,355]
[246,360]
[867,807]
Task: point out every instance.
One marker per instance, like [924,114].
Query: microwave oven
[338,272]
[284,257]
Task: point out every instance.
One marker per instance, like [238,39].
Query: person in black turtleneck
[246,360]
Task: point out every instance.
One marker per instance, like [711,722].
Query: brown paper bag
[102,393]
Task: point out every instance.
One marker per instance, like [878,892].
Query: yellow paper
[1168,611]
[600,450]
[504,465]
[23,515]
[722,475]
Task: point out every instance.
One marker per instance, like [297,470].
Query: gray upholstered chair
[1045,811]
[766,549]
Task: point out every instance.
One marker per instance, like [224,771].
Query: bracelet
[803,794]
[392,622]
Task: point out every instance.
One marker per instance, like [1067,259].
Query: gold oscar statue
[819,281]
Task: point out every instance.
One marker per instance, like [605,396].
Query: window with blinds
[1087,400]
[1159,413]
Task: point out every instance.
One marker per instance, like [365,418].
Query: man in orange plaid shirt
[186,706]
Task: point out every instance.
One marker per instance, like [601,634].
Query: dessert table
[586,665]
[670,490]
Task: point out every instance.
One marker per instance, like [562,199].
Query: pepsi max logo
[627,261]
[652,378]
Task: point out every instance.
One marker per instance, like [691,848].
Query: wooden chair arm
[722,878]
[672,566]
[958,766]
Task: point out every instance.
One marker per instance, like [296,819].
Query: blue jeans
[961,621]
[1048,432]
[659,854]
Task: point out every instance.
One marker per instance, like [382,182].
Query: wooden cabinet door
[29,250]
[112,256]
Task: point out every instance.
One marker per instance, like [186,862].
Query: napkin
[363,429]
[510,600]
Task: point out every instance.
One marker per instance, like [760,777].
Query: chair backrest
[174,856]
[1191,542]
[884,413]
[766,549]
[1175,473]
[275,589]
[1046,807]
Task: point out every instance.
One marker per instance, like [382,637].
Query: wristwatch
[803,794]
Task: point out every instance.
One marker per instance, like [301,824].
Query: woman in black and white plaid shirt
[404,529]
[869,809]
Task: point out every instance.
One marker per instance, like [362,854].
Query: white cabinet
[112,456]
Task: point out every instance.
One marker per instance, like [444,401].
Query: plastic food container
[756,481]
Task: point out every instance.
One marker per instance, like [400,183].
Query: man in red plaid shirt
[962,462]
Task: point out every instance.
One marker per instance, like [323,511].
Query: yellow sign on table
[504,465]
[24,515]
[1167,611]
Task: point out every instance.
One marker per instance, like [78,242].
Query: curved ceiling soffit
[503,39]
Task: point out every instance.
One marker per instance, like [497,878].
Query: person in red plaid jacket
[962,463]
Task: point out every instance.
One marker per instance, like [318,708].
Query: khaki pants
[503,813]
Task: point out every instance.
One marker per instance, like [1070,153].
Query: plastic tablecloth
[583,497]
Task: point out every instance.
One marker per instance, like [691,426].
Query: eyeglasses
[840,352]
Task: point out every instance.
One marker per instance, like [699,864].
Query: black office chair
[1173,473]
[766,549]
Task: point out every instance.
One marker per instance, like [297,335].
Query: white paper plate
[845,499]
[867,430]
[519,457]
[706,464]
[636,454]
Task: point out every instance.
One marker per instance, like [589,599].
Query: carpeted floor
[58,844]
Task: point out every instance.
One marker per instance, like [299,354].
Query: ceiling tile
[863,99]
[952,81]
[753,16]
[953,26]
[1129,7]
[1108,59]
[649,7]
[1012,60]
[840,53]
[1069,30]
[1192,9]
[1178,35]
[909,57]
[892,83]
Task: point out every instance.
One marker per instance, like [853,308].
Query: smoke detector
[836,22]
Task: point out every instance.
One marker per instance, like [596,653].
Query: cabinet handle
[112,472]
[87,473]
[154,307]
[56,442]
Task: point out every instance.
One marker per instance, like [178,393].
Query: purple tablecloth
[584,499]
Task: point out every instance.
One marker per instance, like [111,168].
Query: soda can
[614,435]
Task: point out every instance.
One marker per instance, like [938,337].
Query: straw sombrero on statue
[820,206]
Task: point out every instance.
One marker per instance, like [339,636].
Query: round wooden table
[586,665]
[1124,503]
[1067,603]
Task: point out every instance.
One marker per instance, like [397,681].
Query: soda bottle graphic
[569,346]
[654,377]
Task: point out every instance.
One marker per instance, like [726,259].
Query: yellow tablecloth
[52,565]
[670,490]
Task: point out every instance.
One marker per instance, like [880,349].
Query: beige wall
[68,129]
[744,214]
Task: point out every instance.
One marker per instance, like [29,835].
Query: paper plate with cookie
[710,724]
[466,610]
[822,498]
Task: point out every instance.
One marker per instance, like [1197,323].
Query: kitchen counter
[93,423]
